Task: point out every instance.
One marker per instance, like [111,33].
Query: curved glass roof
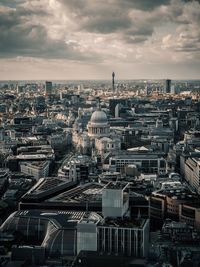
[61,242]
[56,231]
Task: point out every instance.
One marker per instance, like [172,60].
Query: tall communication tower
[113,81]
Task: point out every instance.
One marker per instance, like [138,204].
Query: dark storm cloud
[190,1]
[108,16]
[188,39]
[138,35]
[21,37]
[29,40]
[8,20]
[32,41]
[134,39]
[84,5]
[98,16]
[146,5]
[106,25]
[24,32]
[11,3]
[12,17]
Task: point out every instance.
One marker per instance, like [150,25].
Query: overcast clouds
[87,39]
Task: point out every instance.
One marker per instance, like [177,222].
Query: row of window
[123,241]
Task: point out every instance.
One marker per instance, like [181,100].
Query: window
[162,164]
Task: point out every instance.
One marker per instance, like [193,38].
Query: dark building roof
[55,231]
[47,187]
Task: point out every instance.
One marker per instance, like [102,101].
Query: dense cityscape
[99,133]
[100,173]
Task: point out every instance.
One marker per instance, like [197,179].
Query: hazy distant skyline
[88,39]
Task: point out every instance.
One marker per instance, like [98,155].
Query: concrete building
[177,231]
[165,203]
[124,237]
[66,233]
[77,168]
[115,200]
[107,144]
[146,162]
[190,214]
[87,233]
[37,169]
[114,102]
[192,172]
[4,176]
[167,88]
[59,142]
[48,88]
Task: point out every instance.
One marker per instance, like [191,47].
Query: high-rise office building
[148,90]
[173,89]
[48,88]
[168,86]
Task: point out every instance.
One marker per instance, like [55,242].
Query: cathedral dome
[99,116]
[98,125]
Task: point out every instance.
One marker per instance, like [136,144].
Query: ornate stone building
[98,125]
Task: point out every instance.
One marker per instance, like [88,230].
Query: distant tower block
[168,86]
[113,81]
[48,88]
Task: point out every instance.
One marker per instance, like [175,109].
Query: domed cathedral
[98,126]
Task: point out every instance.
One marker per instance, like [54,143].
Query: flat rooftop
[116,185]
[123,222]
[30,156]
[139,155]
[84,193]
[182,193]
[36,164]
[46,186]
[173,224]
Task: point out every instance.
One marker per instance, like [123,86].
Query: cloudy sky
[88,39]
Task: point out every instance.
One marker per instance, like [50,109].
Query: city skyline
[74,40]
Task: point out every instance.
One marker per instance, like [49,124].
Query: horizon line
[122,79]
